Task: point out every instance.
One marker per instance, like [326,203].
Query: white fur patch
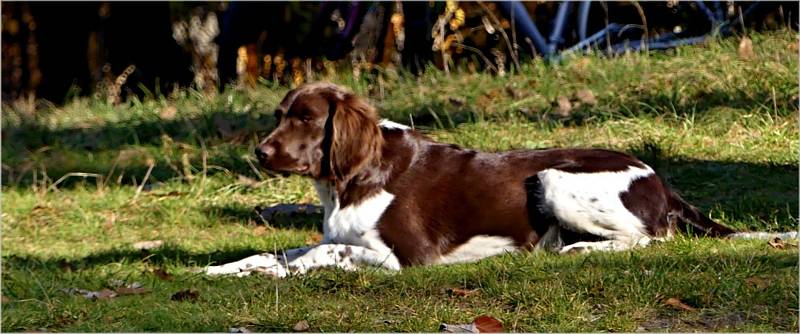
[354,224]
[385,123]
[479,247]
[590,202]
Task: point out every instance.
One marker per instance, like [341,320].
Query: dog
[394,198]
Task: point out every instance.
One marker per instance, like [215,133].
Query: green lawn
[723,131]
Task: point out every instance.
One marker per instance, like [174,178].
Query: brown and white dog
[394,198]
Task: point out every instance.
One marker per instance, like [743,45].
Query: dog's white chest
[353,224]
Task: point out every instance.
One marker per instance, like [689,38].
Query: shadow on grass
[216,125]
[176,255]
[280,216]
[30,135]
[95,149]
[157,256]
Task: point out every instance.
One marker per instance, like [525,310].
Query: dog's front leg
[299,260]
[347,257]
[266,263]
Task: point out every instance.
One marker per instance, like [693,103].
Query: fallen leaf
[314,239]
[481,324]
[185,295]
[759,283]
[777,243]
[301,326]
[124,291]
[38,208]
[146,245]
[6,300]
[746,48]
[168,113]
[487,324]
[678,304]
[586,96]
[513,93]
[260,230]
[162,274]
[459,292]
[564,108]
[456,101]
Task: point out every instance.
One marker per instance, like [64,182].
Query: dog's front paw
[260,263]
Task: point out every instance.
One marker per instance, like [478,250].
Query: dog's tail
[689,219]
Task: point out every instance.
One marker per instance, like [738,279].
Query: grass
[721,130]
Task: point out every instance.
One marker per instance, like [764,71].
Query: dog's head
[323,131]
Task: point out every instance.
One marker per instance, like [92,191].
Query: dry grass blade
[146,245]
[151,164]
[54,186]
[168,113]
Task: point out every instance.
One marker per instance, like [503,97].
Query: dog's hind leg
[589,206]
[605,245]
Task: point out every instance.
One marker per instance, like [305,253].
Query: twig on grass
[54,186]
[144,181]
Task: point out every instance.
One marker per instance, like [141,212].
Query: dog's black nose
[263,152]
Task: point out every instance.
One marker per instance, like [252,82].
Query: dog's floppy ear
[357,139]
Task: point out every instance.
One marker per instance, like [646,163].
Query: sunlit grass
[720,130]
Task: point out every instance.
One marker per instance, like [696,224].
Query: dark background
[58,50]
